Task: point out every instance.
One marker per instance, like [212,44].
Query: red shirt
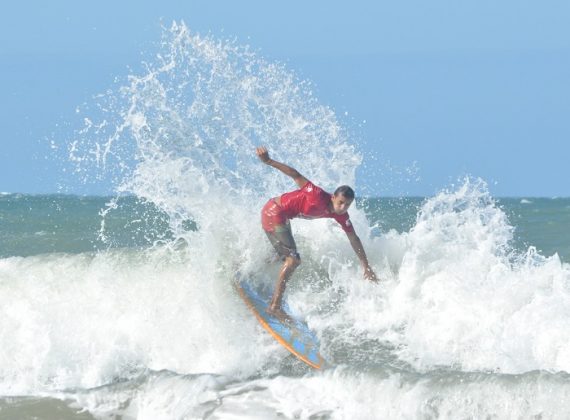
[312,202]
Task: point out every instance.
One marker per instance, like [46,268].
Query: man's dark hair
[346,191]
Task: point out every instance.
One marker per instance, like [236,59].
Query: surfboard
[294,335]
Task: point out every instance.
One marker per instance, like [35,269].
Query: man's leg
[289,266]
[282,240]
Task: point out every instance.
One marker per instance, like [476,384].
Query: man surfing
[310,202]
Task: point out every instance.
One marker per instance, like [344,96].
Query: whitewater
[143,322]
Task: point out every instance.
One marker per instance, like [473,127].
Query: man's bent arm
[263,154]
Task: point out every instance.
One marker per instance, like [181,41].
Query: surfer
[310,202]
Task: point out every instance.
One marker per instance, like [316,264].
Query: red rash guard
[309,202]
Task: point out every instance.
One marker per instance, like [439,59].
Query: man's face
[340,203]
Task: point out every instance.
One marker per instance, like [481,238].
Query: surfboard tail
[294,336]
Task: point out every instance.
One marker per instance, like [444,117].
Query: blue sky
[448,88]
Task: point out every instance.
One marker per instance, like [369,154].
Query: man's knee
[293,260]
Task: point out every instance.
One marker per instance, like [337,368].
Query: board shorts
[278,229]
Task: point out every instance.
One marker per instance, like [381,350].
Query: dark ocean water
[38,224]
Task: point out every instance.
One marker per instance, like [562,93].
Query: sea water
[123,306]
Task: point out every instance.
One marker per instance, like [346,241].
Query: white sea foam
[335,394]
[453,295]
[71,321]
[464,298]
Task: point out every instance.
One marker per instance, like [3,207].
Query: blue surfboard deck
[294,335]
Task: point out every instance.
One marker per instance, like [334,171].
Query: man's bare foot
[280,314]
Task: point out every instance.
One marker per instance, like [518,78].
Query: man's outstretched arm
[359,250]
[263,155]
